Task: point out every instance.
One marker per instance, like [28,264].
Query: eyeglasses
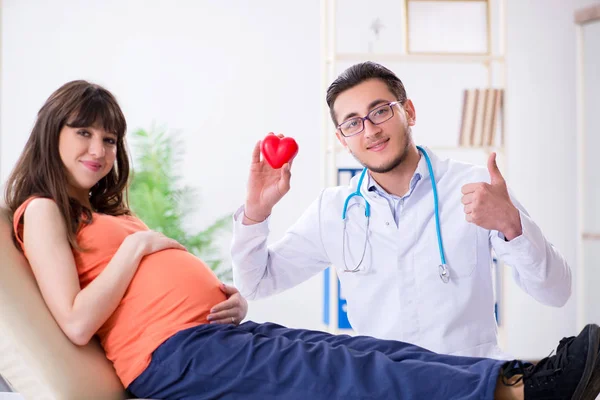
[379,115]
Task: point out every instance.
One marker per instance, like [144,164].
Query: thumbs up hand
[489,205]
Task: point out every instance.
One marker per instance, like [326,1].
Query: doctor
[411,237]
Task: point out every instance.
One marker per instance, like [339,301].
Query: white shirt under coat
[399,294]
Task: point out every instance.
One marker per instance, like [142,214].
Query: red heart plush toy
[278,151]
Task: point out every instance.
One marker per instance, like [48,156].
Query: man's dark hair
[359,73]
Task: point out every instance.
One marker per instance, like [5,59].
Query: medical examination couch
[36,358]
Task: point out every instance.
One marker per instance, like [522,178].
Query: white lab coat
[399,295]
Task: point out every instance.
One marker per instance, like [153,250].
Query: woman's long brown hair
[40,171]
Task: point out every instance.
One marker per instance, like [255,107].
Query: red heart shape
[277,151]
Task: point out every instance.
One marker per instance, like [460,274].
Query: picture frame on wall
[448,27]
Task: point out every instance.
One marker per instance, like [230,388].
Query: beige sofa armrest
[37,359]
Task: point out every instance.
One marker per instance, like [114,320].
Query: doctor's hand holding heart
[489,206]
[269,178]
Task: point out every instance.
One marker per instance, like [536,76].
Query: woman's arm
[80,313]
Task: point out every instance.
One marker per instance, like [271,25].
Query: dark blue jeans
[268,361]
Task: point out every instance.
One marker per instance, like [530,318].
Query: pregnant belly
[173,285]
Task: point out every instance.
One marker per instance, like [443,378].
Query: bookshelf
[398,50]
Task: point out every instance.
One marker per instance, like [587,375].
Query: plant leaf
[158,199]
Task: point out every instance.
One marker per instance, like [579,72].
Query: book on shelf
[469,100]
[481,117]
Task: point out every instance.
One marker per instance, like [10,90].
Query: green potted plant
[157,197]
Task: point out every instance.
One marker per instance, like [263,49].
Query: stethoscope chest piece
[444,273]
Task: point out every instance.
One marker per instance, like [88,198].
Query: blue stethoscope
[443,268]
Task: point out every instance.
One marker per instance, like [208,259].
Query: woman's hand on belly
[231,311]
[152,242]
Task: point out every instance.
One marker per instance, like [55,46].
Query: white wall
[182,63]
[589,102]
[541,125]
[584,3]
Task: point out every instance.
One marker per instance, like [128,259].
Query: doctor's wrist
[514,228]
[252,216]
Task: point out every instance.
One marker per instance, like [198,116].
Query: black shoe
[573,373]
